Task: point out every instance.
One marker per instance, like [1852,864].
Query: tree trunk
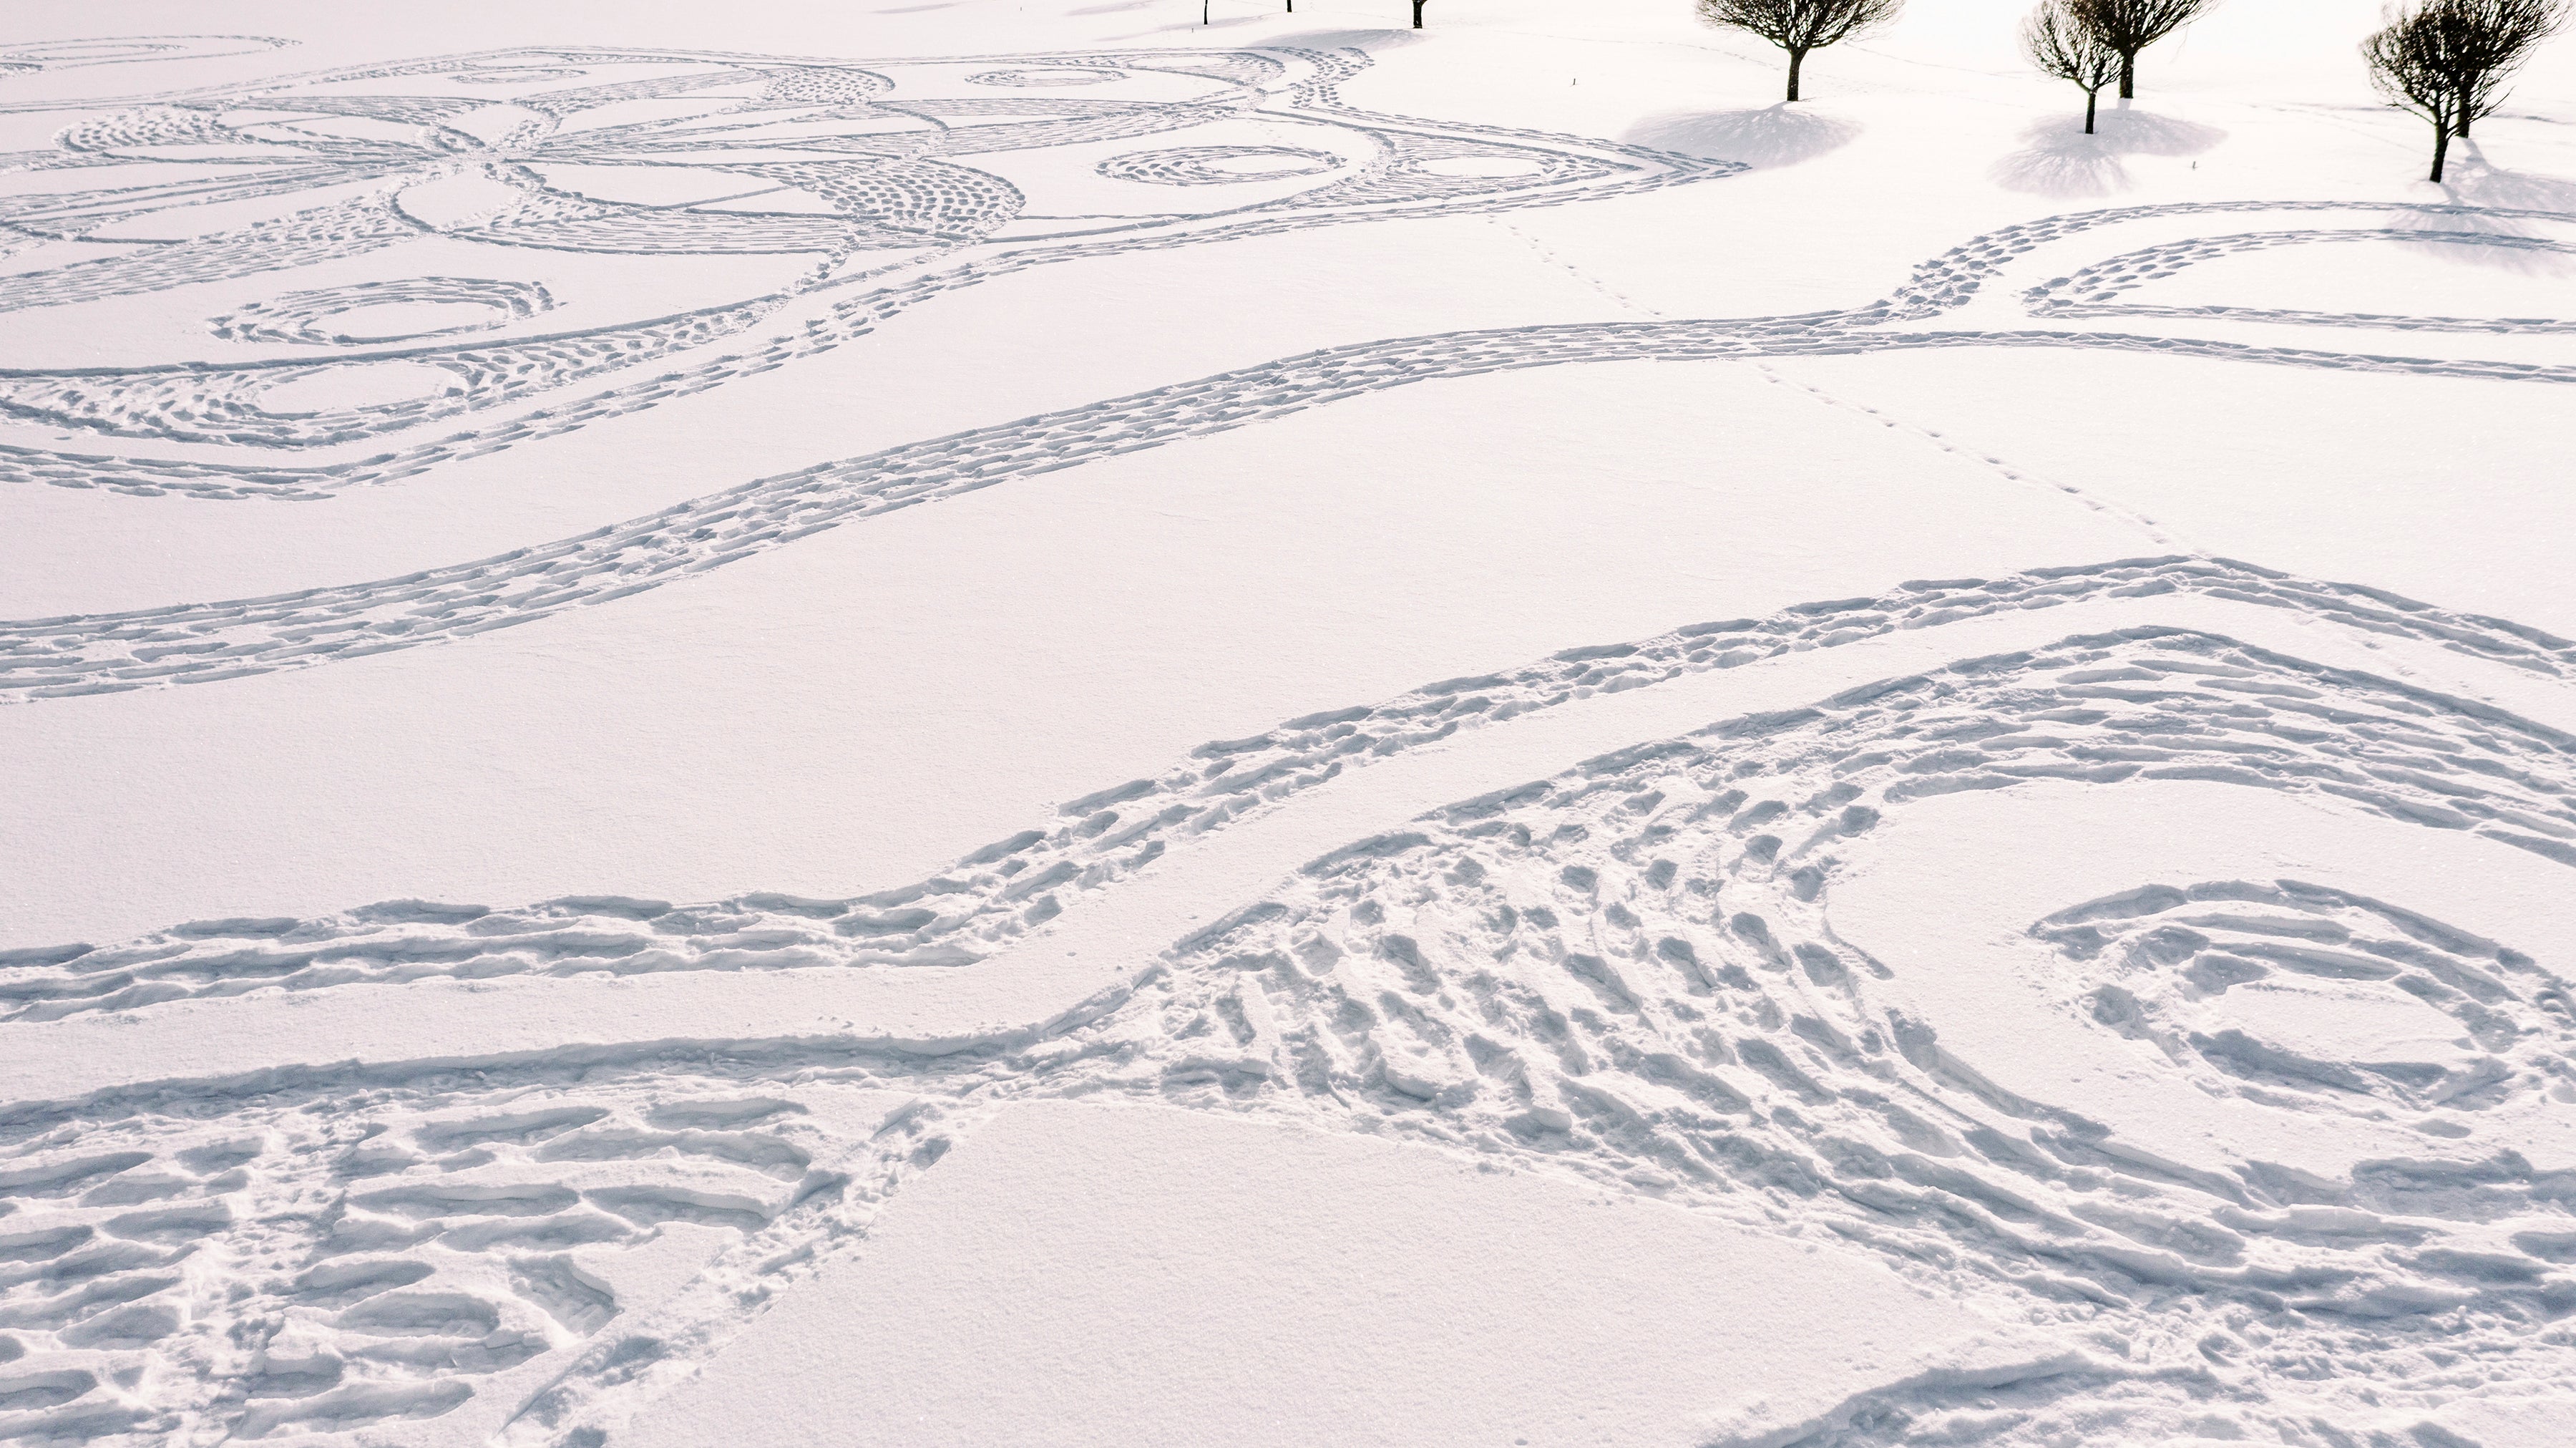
[2128,75]
[2441,144]
[1797,58]
[2091,98]
[1417,14]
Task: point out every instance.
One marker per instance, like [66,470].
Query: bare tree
[1799,26]
[1417,14]
[2448,60]
[2058,41]
[2415,61]
[2497,37]
[2129,26]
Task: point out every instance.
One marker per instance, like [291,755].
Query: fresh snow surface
[1024,723]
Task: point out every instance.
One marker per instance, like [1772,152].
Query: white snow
[1143,1243]
[1011,722]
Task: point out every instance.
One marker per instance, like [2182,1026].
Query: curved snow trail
[996,896]
[934,210]
[1632,971]
[208,642]
[2167,958]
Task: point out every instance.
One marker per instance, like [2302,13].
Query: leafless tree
[2129,26]
[2058,41]
[2448,60]
[2413,64]
[1417,14]
[2498,35]
[1799,26]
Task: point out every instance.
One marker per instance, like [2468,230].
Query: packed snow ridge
[1507,758]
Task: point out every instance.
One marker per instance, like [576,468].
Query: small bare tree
[2058,41]
[2499,35]
[2448,60]
[2129,26]
[2417,60]
[1799,26]
[2413,64]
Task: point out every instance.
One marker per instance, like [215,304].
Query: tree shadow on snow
[2058,159]
[1771,137]
[1349,39]
[2472,182]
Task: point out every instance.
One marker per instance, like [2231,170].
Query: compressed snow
[1280,1286]
[787,719]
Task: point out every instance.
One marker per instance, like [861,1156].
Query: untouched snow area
[1026,723]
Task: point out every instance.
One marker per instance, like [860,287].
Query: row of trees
[2107,34]
[2095,42]
[2446,60]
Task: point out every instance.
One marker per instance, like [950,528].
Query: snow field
[1915,770]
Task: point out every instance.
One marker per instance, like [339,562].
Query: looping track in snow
[193,643]
[995,895]
[1659,971]
[1629,971]
[861,177]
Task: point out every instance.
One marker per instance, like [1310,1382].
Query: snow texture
[2127,995]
